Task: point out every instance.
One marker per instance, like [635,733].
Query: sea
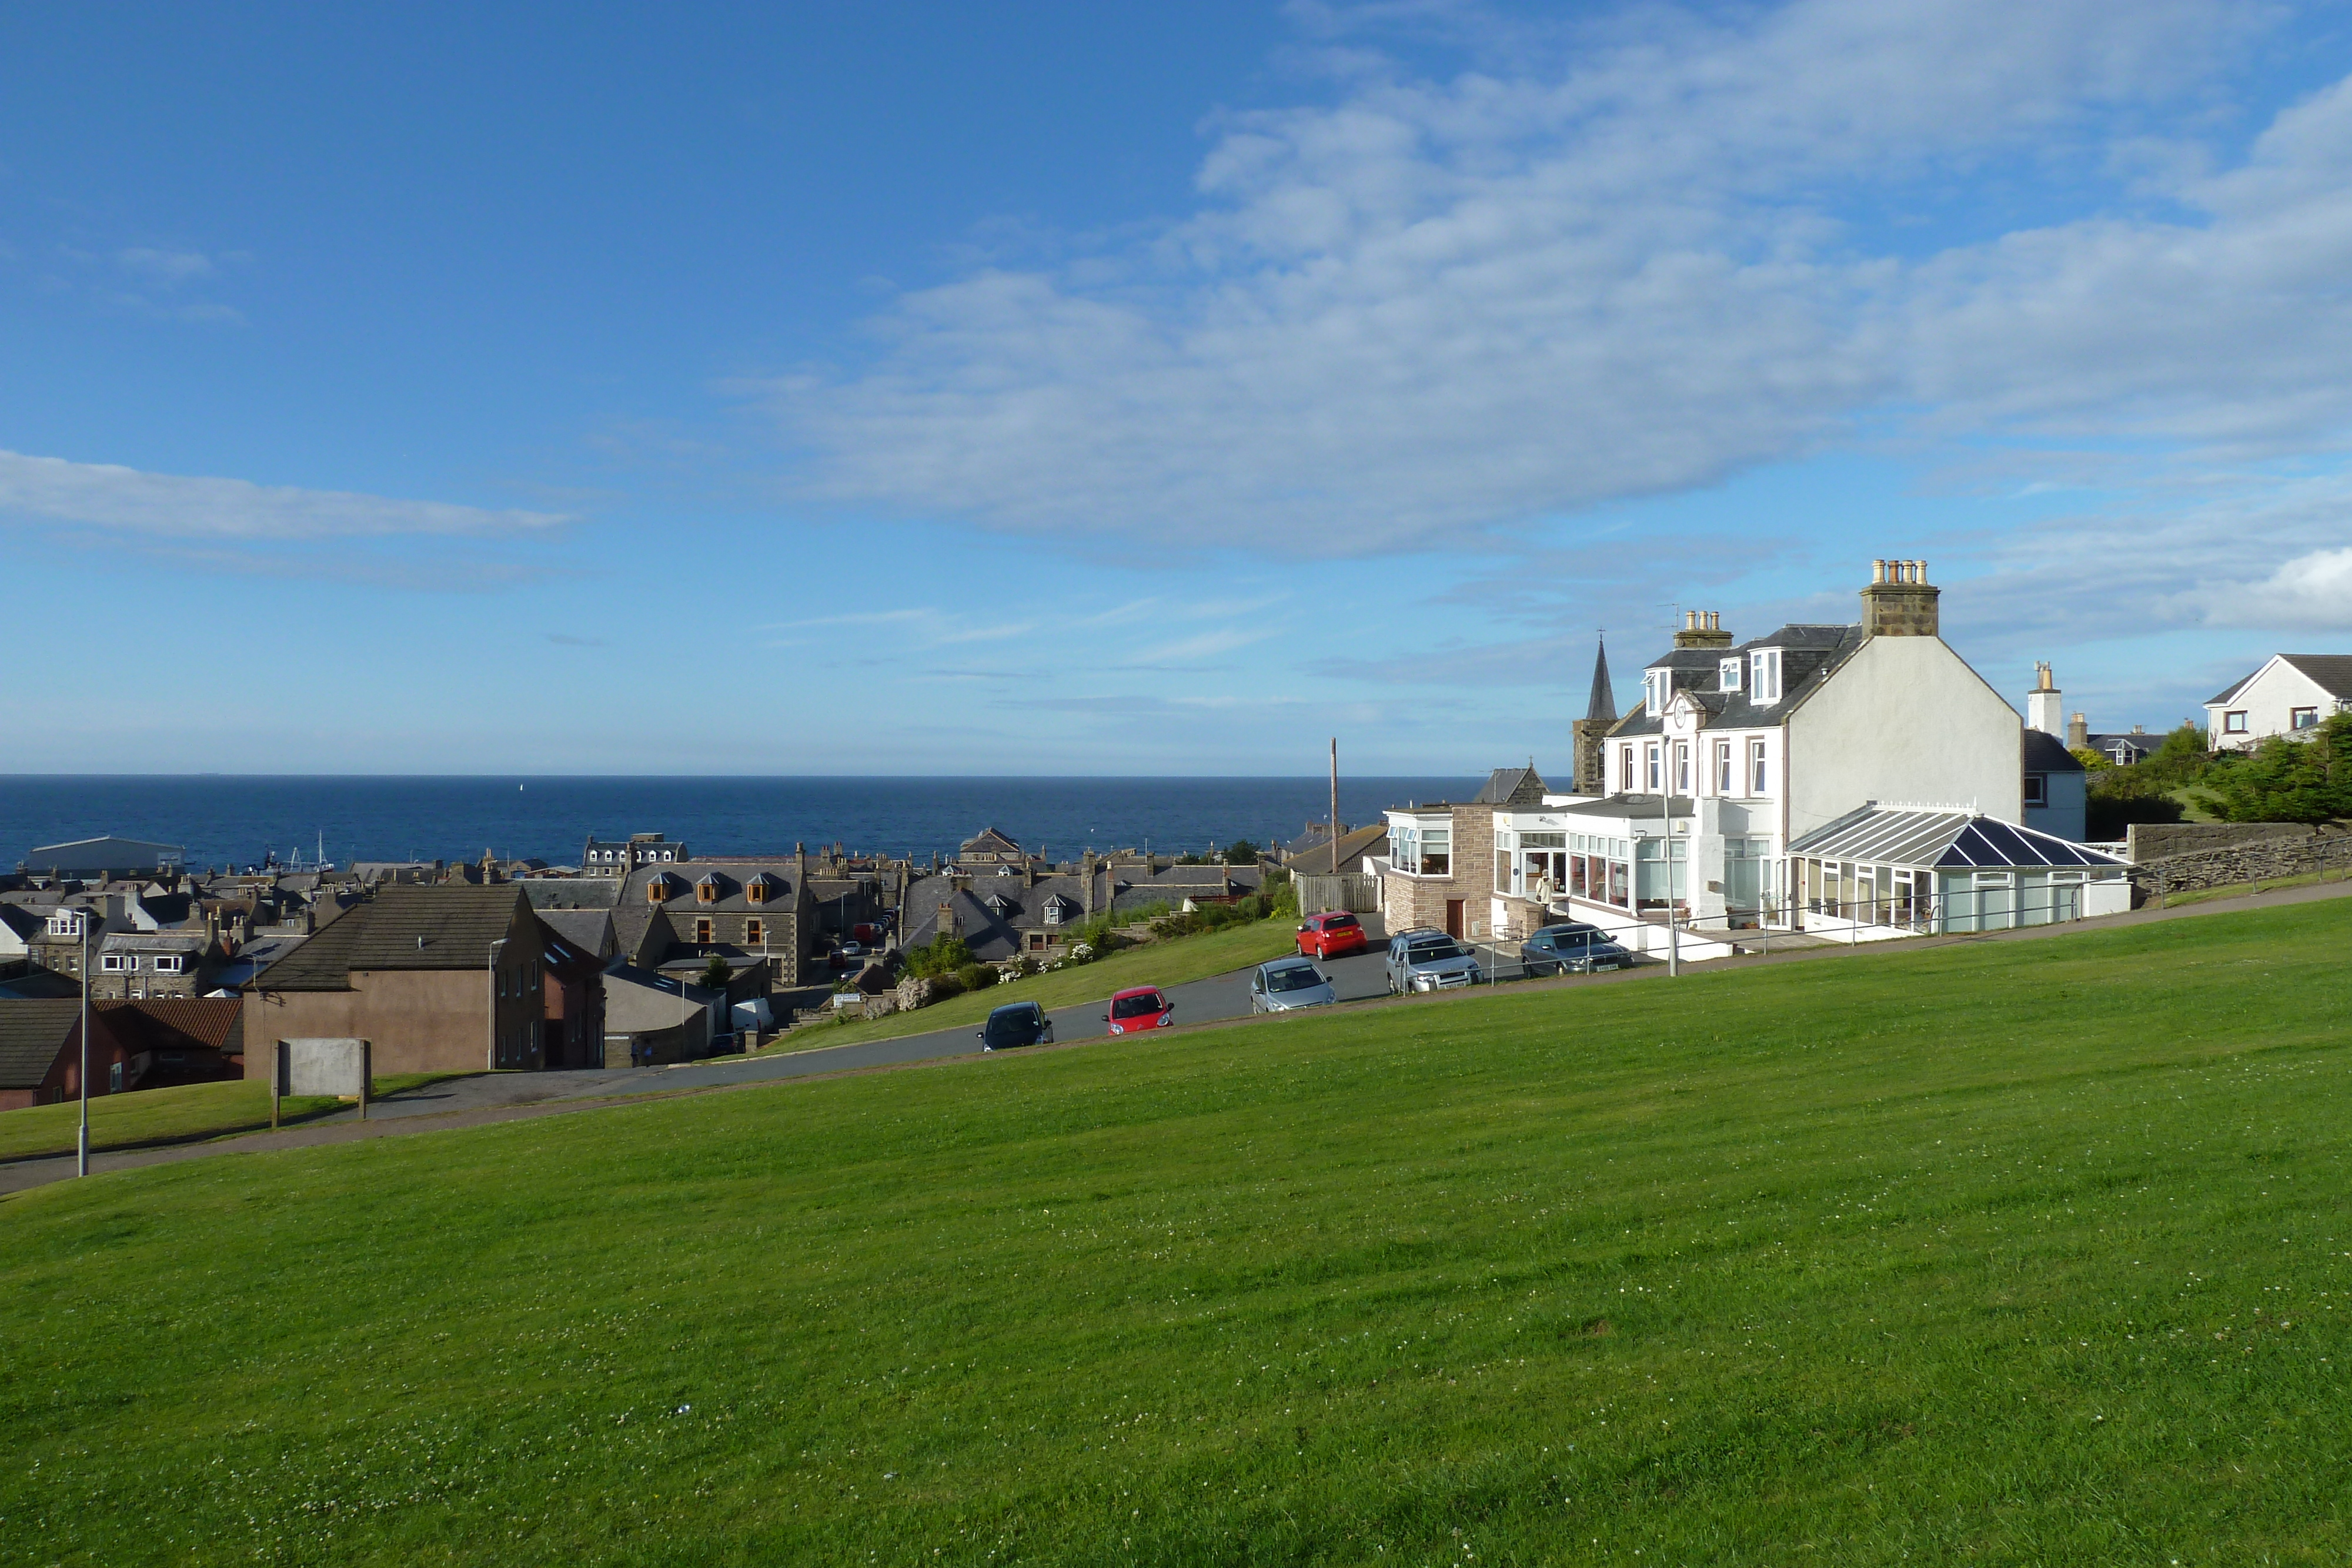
[233,821]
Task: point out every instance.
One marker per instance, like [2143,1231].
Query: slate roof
[2045,753]
[1808,654]
[1946,840]
[2137,745]
[1636,806]
[2332,673]
[1511,787]
[548,892]
[1603,703]
[990,841]
[590,930]
[727,878]
[31,1035]
[405,927]
[1353,847]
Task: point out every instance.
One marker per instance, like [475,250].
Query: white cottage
[2289,696]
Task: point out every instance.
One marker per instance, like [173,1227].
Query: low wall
[2158,840]
[2327,849]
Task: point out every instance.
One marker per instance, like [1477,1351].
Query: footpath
[511,1097]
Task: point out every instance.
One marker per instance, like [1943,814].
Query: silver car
[1287,984]
[1428,960]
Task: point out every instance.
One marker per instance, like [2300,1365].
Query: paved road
[500,1096]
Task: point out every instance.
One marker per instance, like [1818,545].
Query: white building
[2057,786]
[2289,696]
[1737,753]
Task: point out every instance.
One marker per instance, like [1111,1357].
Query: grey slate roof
[405,927]
[548,892]
[1354,846]
[2045,753]
[1511,787]
[1946,840]
[1808,654]
[1603,702]
[31,1035]
[590,930]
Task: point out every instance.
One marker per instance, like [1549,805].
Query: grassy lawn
[1969,1255]
[1169,963]
[151,1116]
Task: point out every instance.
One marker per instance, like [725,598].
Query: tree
[943,956]
[1241,851]
[715,974]
[2093,760]
[2287,780]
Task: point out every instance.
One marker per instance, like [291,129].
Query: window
[2037,789]
[2303,718]
[1625,768]
[1053,911]
[1682,768]
[755,933]
[706,890]
[117,963]
[169,963]
[1728,674]
[1764,675]
[756,891]
[702,931]
[1437,850]
[1758,777]
[1651,767]
[1726,781]
[2234,722]
[1657,686]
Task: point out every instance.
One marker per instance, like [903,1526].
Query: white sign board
[324,1066]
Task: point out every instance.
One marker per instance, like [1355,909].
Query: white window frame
[169,964]
[1726,772]
[118,962]
[1760,766]
[1682,768]
[1764,675]
[1654,767]
[2037,789]
[1727,673]
[1625,769]
[1657,686]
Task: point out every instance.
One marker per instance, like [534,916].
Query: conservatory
[1891,870]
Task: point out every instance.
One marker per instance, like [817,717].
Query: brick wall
[1410,901]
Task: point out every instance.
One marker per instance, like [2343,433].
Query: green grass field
[159,1115]
[1993,1253]
[1170,963]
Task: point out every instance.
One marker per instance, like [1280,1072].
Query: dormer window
[756,890]
[1054,912]
[1657,686]
[659,889]
[1764,675]
[706,891]
[1728,674]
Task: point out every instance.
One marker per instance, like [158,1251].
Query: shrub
[975,977]
[943,987]
[1241,851]
[2287,780]
[943,956]
[715,974]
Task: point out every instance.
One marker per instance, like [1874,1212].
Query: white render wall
[2268,701]
[1905,719]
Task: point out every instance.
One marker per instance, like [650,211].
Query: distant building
[2056,786]
[620,858]
[106,858]
[132,1045]
[2288,695]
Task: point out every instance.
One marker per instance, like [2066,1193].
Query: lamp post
[82,1144]
[490,1059]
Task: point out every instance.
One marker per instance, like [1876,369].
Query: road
[502,1096]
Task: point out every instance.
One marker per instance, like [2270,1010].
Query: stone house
[135,964]
[1438,873]
[736,908]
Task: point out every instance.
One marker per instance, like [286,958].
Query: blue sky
[1138,389]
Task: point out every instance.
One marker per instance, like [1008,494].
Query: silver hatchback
[1287,984]
[1428,960]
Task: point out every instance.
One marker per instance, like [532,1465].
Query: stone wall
[1407,902]
[2158,840]
[2327,849]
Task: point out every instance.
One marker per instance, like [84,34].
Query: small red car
[1332,936]
[1138,1009]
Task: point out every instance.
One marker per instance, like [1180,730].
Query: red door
[1454,917]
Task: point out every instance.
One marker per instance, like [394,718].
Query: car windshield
[1013,1020]
[1136,1006]
[1428,952]
[1298,979]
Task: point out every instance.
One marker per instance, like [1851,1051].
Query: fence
[1357,892]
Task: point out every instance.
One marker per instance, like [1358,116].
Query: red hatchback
[1332,936]
[1138,1009]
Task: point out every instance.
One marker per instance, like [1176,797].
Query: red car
[1138,1009]
[1333,936]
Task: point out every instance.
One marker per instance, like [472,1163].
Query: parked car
[1287,985]
[1015,1024]
[1331,935]
[1572,948]
[1140,1008]
[1430,960]
[853,950]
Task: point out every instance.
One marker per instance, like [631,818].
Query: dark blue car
[1572,949]
[1016,1023]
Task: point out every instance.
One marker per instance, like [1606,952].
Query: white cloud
[2310,594]
[169,268]
[178,506]
[1430,309]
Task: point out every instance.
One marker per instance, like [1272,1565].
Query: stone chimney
[1702,628]
[2043,709]
[1087,883]
[2078,730]
[1899,602]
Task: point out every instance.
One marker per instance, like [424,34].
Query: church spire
[1604,697]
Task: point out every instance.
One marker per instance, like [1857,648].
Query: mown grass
[162,1115]
[1983,1254]
[1170,963]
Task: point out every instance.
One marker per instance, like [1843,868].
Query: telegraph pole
[82,1144]
[1335,805]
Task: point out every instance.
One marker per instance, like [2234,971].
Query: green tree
[716,974]
[2093,760]
[1241,851]
[2284,780]
[943,956]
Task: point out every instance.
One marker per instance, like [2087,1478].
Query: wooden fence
[1359,891]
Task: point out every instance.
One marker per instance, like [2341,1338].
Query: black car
[1572,949]
[1016,1023]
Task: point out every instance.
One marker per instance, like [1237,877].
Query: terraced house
[740,909]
